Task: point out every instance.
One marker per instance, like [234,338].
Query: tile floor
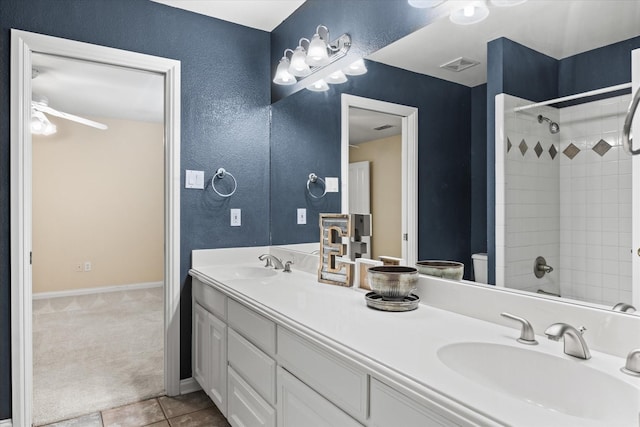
[189,410]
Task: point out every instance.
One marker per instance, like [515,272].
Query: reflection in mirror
[565,192]
[375,149]
[379,145]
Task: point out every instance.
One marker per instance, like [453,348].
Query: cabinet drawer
[256,328]
[299,405]
[258,369]
[390,408]
[337,380]
[246,408]
[214,301]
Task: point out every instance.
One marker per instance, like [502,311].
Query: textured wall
[306,133]
[225,122]
[479,169]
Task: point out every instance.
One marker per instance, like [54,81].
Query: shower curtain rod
[576,96]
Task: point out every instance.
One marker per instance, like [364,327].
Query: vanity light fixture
[283,75]
[471,13]
[425,3]
[356,68]
[318,86]
[314,55]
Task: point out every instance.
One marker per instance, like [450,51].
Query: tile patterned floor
[189,410]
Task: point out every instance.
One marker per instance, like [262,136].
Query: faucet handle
[632,366]
[287,266]
[527,336]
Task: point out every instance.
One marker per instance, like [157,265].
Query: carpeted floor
[95,352]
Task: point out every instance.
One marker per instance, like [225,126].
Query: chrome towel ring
[313,178]
[220,174]
[627,141]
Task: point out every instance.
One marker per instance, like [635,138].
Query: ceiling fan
[40,123]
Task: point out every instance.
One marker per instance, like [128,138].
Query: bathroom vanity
[273,348]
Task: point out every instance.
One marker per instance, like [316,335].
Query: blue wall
[225,122]
[478,237]
[306,133]
[517,70]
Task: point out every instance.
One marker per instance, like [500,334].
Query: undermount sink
[554,383]
[244,272]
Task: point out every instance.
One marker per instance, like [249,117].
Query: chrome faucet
[632,367]
[527,336]
[277,263]
[574,344]
[624,307]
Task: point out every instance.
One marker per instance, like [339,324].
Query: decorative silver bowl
[446,269]
[393,282]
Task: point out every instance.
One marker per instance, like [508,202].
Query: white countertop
[404,345]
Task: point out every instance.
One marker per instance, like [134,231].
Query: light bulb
[299,66]
[356,68]
[336,78]
[318,86]
[470,13]
[283,76]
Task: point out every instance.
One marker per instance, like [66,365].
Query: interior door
[360,195]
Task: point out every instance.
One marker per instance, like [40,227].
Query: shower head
[553,126]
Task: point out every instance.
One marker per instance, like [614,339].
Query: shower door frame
[635,188]
[23,44]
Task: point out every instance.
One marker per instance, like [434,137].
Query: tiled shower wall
[595,203]
[566,197]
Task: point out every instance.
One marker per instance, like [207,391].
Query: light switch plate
[236,217]
[194,179]
[302,216]
[332,184]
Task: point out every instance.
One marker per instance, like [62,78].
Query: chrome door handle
[627,141]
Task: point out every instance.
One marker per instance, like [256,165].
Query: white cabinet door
[200,345]
[299,405]
[246,407]
[210,355]
[217,375]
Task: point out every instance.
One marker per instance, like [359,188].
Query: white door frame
[23,44]
[635,187]
[409,165]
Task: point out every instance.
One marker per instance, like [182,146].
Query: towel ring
[313,178]
[221,173]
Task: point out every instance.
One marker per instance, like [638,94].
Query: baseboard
[188,385]
[5,423]
[100,290]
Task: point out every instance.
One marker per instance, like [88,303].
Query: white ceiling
[362,124]
[557,28]
[261,14]
[97,90]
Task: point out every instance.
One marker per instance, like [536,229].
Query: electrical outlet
[87,266]
[236,217]
[78,268]
[302,216]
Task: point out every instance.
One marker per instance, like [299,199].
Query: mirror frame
[409,158]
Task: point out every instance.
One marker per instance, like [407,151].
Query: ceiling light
[470,13]
[356,68]
[319,86]
[336,78]
[40,124]
[425,3]
[299,66]
[318,55]
[283,76]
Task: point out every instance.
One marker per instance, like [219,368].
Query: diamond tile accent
[601,147]
[538,149]
[509,145]
[553,151]
[523,147]
[571,151]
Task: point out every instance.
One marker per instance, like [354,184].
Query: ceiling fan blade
[46,109]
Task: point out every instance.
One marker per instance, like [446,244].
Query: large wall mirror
[534,52]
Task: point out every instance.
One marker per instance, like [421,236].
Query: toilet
[480,267]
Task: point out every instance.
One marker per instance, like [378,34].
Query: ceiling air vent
[459,64]
[383,127]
